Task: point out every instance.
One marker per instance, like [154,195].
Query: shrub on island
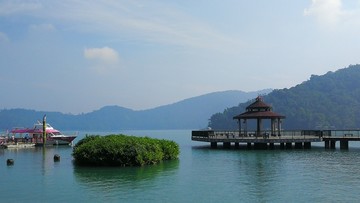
[123,150]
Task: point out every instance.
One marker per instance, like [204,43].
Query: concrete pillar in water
[271,146]
[213,144]
[260,145]
[249,145]
[327,144]
[298,145]
[237,145]
[307,145]
[226,145]
[332,144]
[288,145]
[282,145]
[344,144]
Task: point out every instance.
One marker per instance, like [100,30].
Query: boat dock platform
[17,145]
[299,139]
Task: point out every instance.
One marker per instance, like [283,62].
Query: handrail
[283,133]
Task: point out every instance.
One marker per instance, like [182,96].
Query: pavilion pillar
[259,123]
[272,127]
[245,128]
[279,126]
[239,127]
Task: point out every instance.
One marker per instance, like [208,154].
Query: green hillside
[330,101]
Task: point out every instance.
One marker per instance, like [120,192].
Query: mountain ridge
[185,114]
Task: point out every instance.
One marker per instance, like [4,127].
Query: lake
[201,174]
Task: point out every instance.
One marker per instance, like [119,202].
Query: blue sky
[77,56]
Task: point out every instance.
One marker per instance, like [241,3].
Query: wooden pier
[299,139]
[264,139]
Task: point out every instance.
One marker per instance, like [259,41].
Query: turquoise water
[200,175]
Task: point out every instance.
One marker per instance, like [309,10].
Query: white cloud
[104,59]
[105,55]
[149,22]
[327,12]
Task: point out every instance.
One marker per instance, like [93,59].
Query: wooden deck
[17,145]
[233,136]
[299,137]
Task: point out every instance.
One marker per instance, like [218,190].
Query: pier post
[288,145]
[10,162]
[237,145]
[344,144]
[249,145]
[332,144]
[307,145]
[213,144]
[56,158]
[282,145]
[226,145]
[298,145]
[260,145]
[271,146]
[327,144]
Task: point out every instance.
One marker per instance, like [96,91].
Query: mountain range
[192,113]
[329,101]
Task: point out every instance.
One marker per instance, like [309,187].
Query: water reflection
[113,178]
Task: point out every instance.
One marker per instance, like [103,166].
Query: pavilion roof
[258,103]
[258,114]
[258,109]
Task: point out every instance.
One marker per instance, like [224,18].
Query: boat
[35,136]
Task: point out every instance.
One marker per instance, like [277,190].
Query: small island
[123,150]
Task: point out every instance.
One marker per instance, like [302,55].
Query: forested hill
[192,113]
[330,101]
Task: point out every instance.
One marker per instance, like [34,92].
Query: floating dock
[17,145]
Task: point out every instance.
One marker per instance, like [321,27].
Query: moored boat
[35,135]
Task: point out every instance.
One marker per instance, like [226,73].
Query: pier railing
[265,138]
[341,133]
[291,134]
[283,133]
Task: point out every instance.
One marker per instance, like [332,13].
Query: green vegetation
[330,101]
[123,150]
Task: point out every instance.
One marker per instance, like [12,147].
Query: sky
[76,56]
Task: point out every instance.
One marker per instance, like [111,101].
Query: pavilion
[259,110]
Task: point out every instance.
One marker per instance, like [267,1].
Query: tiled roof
[258,103]
[259,114]
[258,109]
